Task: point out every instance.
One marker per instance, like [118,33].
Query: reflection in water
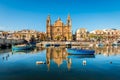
[107,51]
[55,54]
[6,53]
[58,55]
[59,65]
[69,62]
[36,50]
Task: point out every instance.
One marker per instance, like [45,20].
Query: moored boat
[116,43]
[56,45]
[75,51]
[33,44]
[21,47]
[100,45]
[47,45]
[68,45]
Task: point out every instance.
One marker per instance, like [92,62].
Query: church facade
[59,30]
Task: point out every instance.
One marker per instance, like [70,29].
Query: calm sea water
[58,65]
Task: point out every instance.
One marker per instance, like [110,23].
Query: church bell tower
[69,21]
[49,28]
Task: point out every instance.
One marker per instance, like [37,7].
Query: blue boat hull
[33,44]
[80,51]
[56,45]
[20,48]
[47,45]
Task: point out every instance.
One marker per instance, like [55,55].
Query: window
[58,29]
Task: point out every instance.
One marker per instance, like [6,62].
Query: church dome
[58,22]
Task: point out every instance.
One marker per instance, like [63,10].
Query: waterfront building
[41,36]
[25,34]
[1,34]
[106,34]
[81,34]
[59,30]
[5,34]
[98,32]
[112,34]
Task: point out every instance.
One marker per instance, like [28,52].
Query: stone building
[6,34]
[107,34]
[81,34]
[25,34]
[59,30]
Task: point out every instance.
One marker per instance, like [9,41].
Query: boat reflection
[35,50]
[6,53]
[81,56]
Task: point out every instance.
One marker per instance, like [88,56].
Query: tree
[58,37]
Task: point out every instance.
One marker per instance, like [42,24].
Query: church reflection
[57,55]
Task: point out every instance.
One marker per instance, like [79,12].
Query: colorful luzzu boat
[21,47]
[75,51]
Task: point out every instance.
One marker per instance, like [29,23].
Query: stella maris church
[59,30]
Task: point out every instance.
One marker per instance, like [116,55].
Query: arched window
[58,29]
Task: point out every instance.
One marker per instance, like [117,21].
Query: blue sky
[32,14]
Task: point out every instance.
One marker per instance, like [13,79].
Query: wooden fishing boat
[21,47]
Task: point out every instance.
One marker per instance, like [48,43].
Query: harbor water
[59,65]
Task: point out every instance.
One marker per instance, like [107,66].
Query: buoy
[84,62]
[40,62]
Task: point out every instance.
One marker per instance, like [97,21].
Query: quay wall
[73,43]
[8,42]
[63,43]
